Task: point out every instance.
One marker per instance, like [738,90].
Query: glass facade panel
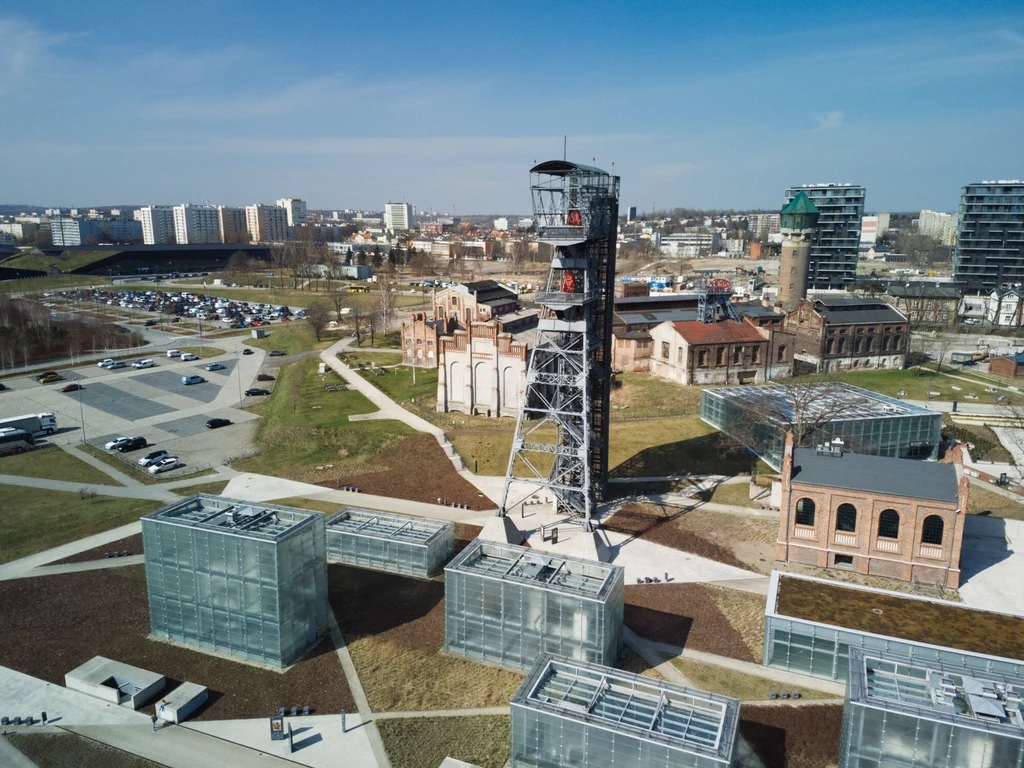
[412,546]
[243,580]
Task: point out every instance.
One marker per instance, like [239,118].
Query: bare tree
[318,314]
[338,298]
[357,318]
[372,319]
[385,296]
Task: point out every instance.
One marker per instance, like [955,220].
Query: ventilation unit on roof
[891,409]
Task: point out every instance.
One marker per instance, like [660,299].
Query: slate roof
[876,474]
[844,311]
[489,292]
[923,291]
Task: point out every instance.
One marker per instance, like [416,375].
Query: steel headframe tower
[561,440]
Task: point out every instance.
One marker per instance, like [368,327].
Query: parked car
[152,458]
[256,392]
[264,377]
[105,363]
[2,387]
[189,356]
[174,353]
[175,319]
[132,444]
[187,380]
[147,363]
[112,444]
[49,377]
[149,323]
[164,465]
[276,353]
[116,364]
[218,423]
[248,351]
[215,367]
[71,388]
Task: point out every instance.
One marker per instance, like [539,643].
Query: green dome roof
[799,213]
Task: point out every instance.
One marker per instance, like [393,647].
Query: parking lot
[153,403]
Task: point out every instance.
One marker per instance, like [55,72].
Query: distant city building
[873,227]
[990,237]
[631,214]
[836,243]
[525,224]
[295,210]
[266,223]
[18,229]
[501,225]
[232,224]
[196,224]
[925,303]
[760,225]
[6,238]
[66,231]
[397,216]
[157,224]
[691,245]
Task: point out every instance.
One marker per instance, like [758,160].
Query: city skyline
[696,107]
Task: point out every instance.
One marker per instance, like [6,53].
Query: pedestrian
[153,718]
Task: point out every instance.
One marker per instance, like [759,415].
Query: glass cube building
[871,424]
[824,649]
[900,712]
[247,580]
[570,715]
[507,605]
[414,546]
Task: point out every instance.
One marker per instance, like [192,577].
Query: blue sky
[442,104]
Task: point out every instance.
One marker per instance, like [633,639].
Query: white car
[186,380]
[174,353]
[164,465]
[152,458]
[143,364]
[189,356]
[116,442]
[105,363]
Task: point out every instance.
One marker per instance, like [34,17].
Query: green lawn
[739,685]
[205,352]
[736,494]
[641,396]
[35,520]
[982,501]
[398,385]
[389,340]
[914,384]
[424,742]
[215,488]
[49,283]
[292,338]
[315,505]
[352,359]
[55,464]
[304,426]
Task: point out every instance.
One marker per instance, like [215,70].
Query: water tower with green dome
[798,220]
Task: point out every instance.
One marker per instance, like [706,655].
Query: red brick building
[1007,365]
[898,518]
[839,334]
[474,302]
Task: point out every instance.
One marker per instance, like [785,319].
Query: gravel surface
[793,737]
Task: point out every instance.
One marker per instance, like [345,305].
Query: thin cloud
[828,120]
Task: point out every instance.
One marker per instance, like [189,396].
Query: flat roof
[876,474]
[99,669]
[856,403]
[857,311]
[990,702]
[233,517]
[890,614]
[355,521]
[655,710]
[508,562]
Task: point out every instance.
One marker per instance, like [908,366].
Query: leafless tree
[385,297]
[357,319]
[338,299]
[318,314]
[372,321]
[518,254]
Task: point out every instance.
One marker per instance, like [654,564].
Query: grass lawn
[34,284]
[982,501]
[736,494]
[739,685]
[389,340]
[215,488]
[397,384]
[69,750]
[640,395]
[130,468]
[377,358]
[914,384]
[205,352]
[35,520]
[55,464]
[292,338]
[424,742]
[986,443]
[305,426]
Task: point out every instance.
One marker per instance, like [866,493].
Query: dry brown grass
[424,742]
[635,664]
[793,737]
[739,685]
[745,612]
[982,501]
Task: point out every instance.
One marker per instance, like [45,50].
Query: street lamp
[81,409]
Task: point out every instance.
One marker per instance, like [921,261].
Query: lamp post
[238,374]
[81,409]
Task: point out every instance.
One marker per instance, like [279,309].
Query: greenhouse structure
[237,578]
[822,648]
[591,716]
[413,546]
[900,712]
[867,422]
[507,605]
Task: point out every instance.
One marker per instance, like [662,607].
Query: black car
[149,323]
[217,423]
[256,392]
[276,353]
[132,444]
[247,351]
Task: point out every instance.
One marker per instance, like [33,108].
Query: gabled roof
[910,478]
[722,332]
[923,291]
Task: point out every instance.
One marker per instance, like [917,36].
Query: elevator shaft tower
[561,440]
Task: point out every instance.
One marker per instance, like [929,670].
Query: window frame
[844,509]
[885,530]
[798,511]
[928,536]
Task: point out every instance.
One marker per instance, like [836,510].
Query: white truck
[36,423]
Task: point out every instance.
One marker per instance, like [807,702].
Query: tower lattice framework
[561,439]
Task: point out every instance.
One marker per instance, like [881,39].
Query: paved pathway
[17,569]
[114,474]
[154,492]
[24,695]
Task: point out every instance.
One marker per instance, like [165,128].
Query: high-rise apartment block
[233,226]
[295,209]
[266,223]
[196,224]
[157,224]
[836,242]
[990,237]
[631,214]
[397,216]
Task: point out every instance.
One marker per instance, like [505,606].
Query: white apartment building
[931,223]
[196,224]
[397,216]
[691,245]
[1005,310]
[232,224]
[295,210]
[157,224]
[501,225]
[266,223]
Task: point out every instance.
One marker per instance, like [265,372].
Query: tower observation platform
[561,439]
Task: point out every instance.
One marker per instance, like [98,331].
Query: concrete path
[93,565]
[24,695]
[114,474]
[154,492]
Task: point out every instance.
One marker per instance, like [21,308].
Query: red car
[71,388]
[264,377]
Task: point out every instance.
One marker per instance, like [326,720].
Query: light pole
[81,409]
[238,374]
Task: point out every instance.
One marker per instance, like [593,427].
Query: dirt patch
[464,534]
[684,615]
[793,737]
[397,650]
[133,544]
[51,624]
[69,750]
[415,469]
[714,535]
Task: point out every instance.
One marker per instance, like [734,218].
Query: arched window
[805,512]
[932,530]
[846,518]
[889,524]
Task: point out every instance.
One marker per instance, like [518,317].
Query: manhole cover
[879,611]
